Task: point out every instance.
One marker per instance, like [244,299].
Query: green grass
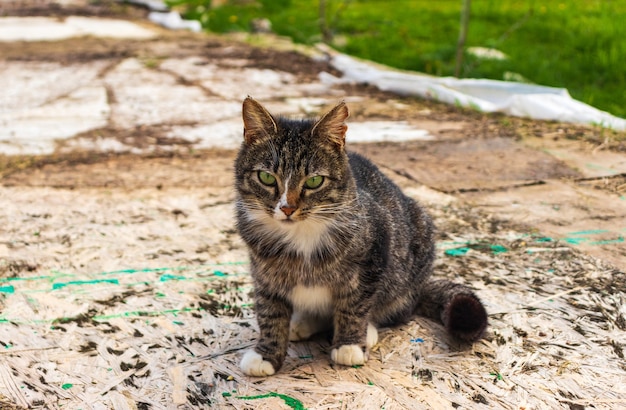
[579,45]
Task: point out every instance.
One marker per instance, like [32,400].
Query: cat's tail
[454,305]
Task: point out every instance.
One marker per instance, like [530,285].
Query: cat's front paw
[348,355]
[253,364]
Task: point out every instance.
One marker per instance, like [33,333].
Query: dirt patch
[206,169]
[167,45]
[472,164]
[99,8]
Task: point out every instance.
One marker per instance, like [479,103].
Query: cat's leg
[350,327]
[353,354]
[267,357]
[304,325]
[372,336]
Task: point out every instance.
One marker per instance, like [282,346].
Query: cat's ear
[258,123]
[332,125]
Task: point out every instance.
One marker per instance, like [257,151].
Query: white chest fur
[315,300]
[304,237]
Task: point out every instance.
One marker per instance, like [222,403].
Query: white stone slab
[239,82]
[223,134]
[42,102]
[53,29]
[26,85]
[34,130]
[156,97]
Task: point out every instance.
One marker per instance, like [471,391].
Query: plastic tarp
[518,99]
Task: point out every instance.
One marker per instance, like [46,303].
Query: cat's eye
[266,178]
[314,182]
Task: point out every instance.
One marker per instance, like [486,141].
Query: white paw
[348,355]
[253,364]
[372,336]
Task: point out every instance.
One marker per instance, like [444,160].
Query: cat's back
[406,221]
[371,181]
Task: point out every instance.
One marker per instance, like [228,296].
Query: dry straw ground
[122,294]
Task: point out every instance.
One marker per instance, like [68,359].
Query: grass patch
[573,44]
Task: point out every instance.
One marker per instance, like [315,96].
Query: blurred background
[578,45]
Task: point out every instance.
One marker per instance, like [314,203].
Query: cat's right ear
[258,123]
[332,126]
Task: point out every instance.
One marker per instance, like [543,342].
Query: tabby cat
[333,243]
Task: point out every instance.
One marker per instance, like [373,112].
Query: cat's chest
[304,237]
[312,299]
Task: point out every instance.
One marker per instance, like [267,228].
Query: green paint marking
[544,239]
[608,241]
[289,401]
[143,313]
[226,394]
[589,232]
[498,376]
[457,251]
[179,268]
[168,277]
[462,251]
[575,241]
[44,277]
[600,167]
[179,323]
[160,295]
[60,285]
[306,356]
[243,305]
[446,243]
[133,271]
[496,249]
[67,386]
[219,273]
[7,289]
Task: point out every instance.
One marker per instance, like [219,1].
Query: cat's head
[290,172]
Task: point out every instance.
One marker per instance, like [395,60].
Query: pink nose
[288,209]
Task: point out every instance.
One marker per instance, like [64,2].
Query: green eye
[314,182]
[266,178]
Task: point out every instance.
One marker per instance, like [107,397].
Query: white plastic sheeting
[518,99]
[173,21]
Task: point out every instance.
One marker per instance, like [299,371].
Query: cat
[333,243]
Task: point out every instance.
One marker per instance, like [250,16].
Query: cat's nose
[288,209]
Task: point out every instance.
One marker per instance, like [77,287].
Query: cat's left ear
[332,126]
